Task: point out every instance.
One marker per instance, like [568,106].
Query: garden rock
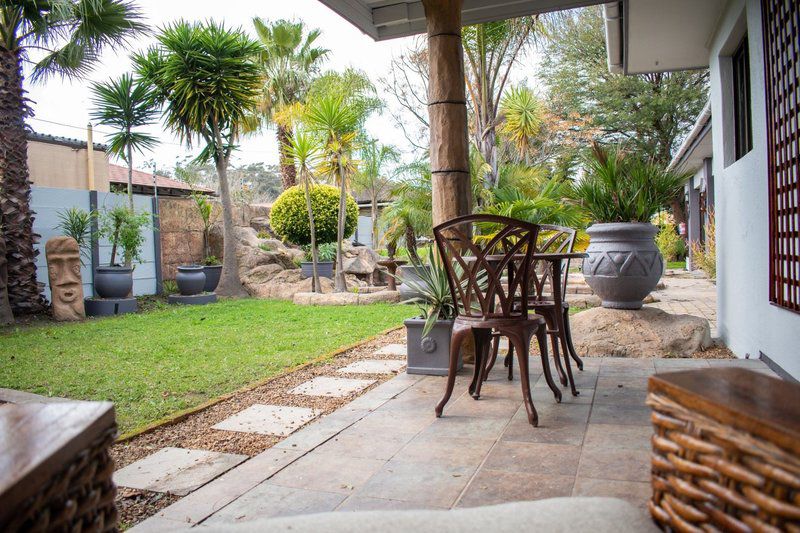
[345,298]
[285,284]
[360,260]
[646,332]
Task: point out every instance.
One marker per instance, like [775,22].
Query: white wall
[748,323]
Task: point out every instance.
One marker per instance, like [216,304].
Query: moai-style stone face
[64,271]
[5,308]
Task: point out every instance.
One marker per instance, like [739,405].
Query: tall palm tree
[207,80]
[305,151]
[523,117]
[289,61]
[125,104]
[66,38]
[371,177]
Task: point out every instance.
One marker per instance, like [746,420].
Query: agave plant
[436,301]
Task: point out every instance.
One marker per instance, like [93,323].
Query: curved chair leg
[541,336]
[456,340]
[509,361]
[482,338]
[552,326]
[521,342]
[563,337]
[492,357]
[572,352]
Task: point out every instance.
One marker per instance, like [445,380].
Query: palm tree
[205,77]
[523,117]
[69,35]
[288,62]
[305,152]
[125,104]
[372,179]
[409,215]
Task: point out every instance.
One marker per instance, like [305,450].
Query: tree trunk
[288,172]
[678,211]
[315,286]
[340,283]
[230,284]
[130,193]
[16,217]
[411,245]
[374,216]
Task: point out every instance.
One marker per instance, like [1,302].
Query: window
[782,65]
[743,131]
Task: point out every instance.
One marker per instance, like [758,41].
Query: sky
[68,102]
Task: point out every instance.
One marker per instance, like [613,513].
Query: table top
[546,257]
[750,401]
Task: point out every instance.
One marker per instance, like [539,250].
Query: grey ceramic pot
[190,279]
[429,355]
[213,273]
[624,264]
[406,273]
[324,269]
[113,281]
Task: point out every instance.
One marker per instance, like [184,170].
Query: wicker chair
[484,303]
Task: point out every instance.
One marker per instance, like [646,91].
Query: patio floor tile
[491,487]
[452,452]
[623,464]
[366,503]
[635,492]
[331,387]
[534,458]
[422,483]
[548,432]
[277,420]
[619,436]
[621,396]
[366,444]
[621,414]
[176,470]
[485,407]
[268,500]
[460,426]
[373,366]
[399,350]
[329,472]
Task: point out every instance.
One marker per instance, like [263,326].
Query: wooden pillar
[447,110]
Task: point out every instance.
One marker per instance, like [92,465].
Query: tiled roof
[64,141]
[119,174]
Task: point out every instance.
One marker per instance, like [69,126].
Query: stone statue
[64,271]
[6,317]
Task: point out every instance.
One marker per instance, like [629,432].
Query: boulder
[285,284]
[345,298]
[646,332]
[359,259]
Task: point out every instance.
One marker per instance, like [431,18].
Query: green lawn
[159,362]
[676,265]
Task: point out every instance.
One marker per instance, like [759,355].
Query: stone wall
[182,229]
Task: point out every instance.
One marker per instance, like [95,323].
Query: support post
[447,110]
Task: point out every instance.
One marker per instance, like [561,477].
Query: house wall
[748,323]
[63,167]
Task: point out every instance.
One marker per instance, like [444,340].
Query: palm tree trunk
[315,286]
[16,217]
[130,192]
[411,245]
[374,216]
[288,172]
[340,282]
[230,283]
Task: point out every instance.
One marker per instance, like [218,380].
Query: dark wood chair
[554,242]
[485,302]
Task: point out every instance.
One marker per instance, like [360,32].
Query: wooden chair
[484,303]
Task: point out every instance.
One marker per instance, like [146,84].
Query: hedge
[289,217]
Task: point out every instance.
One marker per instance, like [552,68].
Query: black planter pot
[324,269]
[213,273]
[429,355]
[113,281]
[190,279]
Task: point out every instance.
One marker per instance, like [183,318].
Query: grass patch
[676,265]
[156,363]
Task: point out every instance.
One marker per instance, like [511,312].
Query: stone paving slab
[280,420]
[399,350]
[331,387]
[176,470]
[373,366]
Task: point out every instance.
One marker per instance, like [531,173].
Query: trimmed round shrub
[289,217]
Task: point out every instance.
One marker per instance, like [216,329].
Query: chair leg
[572,352]
[492,358]
[541,336]
[552,327]
[510,361]
[456,340]
[482,339]
[521,341]
[567,362]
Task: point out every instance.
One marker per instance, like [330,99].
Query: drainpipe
[89,157]
[612,14]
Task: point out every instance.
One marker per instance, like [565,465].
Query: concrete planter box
[324,269]
[431,355]
[624,264]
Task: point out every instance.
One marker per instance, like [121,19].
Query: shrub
[705,257]
[289,216]
[671,245]
[325,252]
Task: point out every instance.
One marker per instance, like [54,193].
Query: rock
[285,284]
[261,225]
[345,298]
[647,332]
[360,259]
[583,300]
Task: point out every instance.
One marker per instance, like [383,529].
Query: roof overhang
[388,19]
[697,146]
[657,36]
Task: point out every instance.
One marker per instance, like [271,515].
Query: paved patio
[386,450]
[687,294]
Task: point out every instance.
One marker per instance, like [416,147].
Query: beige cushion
[595,515]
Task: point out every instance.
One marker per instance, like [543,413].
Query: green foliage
[705,257]
[263,235]
[289,216]
[671,245]
[325,252]
[622,187]
[169,286]
[523,115]
[77,223]
[206,211]
[436,300]
[211,260]
[409,215]
[264,246]
[125,230]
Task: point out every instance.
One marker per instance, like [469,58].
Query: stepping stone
[277,420]
[399,350]
[331,387]
[373,366]
[176,470]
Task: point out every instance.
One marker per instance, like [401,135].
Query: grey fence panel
[364,231]
[47,203]
[144,275]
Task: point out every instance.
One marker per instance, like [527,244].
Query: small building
[363,234]
[63,163]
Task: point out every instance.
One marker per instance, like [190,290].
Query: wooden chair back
[552,240]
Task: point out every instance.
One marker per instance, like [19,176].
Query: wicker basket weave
[708,476]
[78,499]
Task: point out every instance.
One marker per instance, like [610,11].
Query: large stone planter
[190,279]
[113,281]
[409,273]
[324,269]
[429,355]
[624,264]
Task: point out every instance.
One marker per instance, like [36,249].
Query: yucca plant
[77,223]
[436,300]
